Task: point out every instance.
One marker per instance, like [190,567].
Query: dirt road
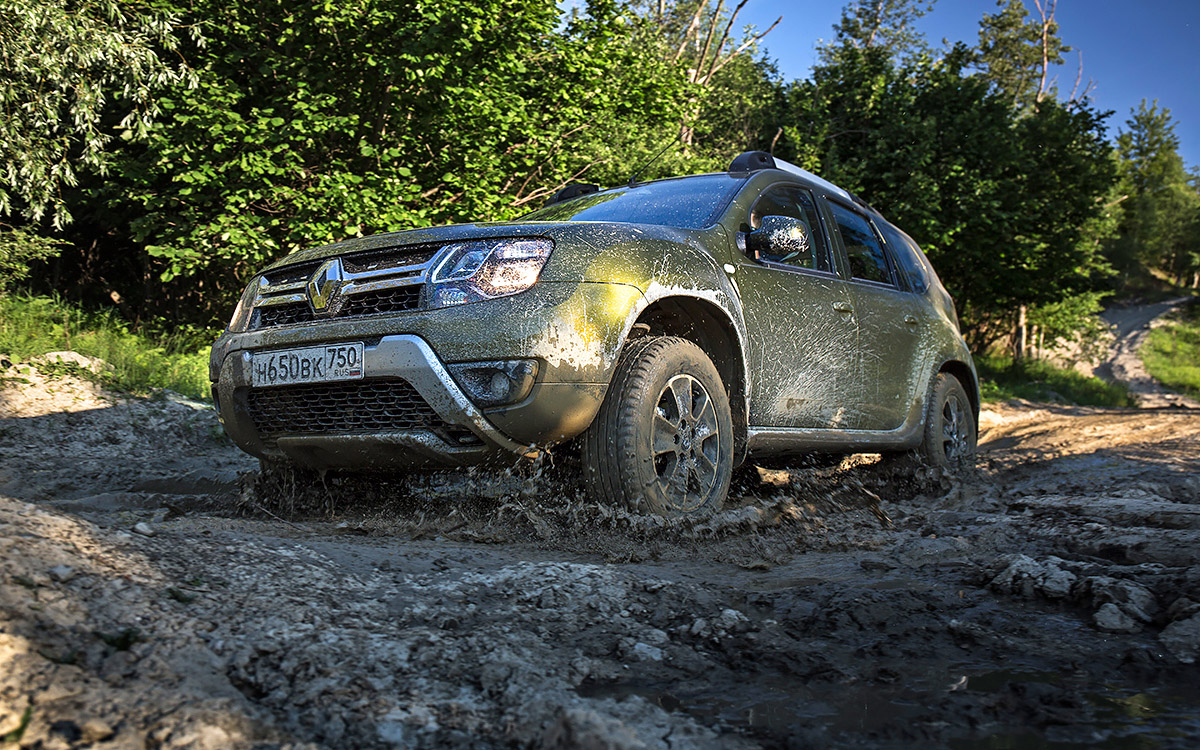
[1050,600]
[1131,325]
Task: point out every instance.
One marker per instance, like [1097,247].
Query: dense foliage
[73,71]
[279,124]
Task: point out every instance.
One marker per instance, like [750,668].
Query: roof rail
[573,190]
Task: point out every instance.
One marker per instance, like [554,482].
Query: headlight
[245,306]
[474,271]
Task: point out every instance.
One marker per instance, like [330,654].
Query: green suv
[676,327]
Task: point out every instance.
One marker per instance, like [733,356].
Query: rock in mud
[1182,639]
[1027,577]
[1134,600]
[581,729]
[1182,608]
[61,573]
[1112,618]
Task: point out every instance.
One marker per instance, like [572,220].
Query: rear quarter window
[910,259]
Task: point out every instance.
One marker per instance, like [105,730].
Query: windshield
[687,202]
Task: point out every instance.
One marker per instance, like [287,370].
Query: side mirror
[781,238]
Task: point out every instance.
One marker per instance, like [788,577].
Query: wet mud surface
[156,591]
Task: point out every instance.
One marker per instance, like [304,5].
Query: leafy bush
[18,249]
[31,325]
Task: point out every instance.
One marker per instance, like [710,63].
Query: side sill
[774,440]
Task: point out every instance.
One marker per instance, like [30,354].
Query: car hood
[587,239]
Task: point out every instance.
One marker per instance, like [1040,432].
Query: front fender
[661,262]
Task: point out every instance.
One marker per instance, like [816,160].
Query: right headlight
[245,306]
[486,269]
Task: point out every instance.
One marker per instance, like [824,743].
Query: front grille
[376,405]
[382,301]
[288,314]
[394,277]
[297,274]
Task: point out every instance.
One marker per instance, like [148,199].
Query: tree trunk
[1022,336]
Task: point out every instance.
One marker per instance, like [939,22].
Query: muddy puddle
[1104,716]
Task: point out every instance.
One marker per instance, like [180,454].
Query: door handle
[910,320]
[843,307]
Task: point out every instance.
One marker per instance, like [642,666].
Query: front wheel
[664,434]
[949,425]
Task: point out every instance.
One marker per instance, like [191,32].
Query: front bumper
[465,436]
[574,332]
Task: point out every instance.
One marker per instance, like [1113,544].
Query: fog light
[495,383]
[500,387]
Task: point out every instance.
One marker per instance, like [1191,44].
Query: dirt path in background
[1131,325]
[1051,599]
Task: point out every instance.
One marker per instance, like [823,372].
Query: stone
[95,730]
[1182,639]
[1131,598]
[1182,608]
[1027,577]
[646,652]
[1057,583]
[1112,618]
[61,573]
[582,729]
[143,528]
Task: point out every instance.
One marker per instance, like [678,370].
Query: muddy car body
[768,311]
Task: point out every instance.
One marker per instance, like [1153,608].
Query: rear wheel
[664,436]
[949,425]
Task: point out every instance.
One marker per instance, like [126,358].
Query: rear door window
[864,249]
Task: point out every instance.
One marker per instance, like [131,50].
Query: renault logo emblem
[324,284]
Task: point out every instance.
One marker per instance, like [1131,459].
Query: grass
[1042,381]
[1171,352]
[141,361]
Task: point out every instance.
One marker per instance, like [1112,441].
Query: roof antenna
[639,170]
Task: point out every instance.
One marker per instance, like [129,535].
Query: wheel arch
[710,327]
[965,375]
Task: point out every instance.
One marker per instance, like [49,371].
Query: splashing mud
[770,514]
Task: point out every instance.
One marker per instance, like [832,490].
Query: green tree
[73,71]
[740,111]
[888,25]
[1161,202]
[315,123]
[1006,206]
[728,87]
[1016,55]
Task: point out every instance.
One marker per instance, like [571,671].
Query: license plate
[313,364]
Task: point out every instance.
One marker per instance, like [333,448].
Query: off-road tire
[656,380]
[950,437]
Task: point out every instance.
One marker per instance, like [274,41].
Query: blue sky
[1131,50]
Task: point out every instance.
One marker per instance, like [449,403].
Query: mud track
[155,592]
